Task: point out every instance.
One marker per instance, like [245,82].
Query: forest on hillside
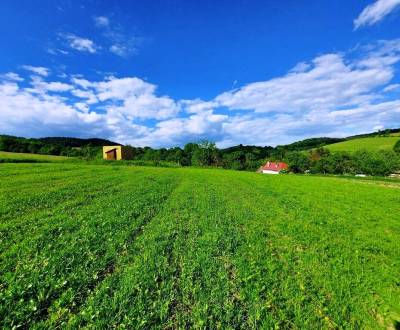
[203,153]
[307,156]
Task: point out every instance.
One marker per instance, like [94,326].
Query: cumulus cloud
[41,71]
[88,95]
[79,43]
[122,88]
[25,113]
[375,12]
[40,86]
[81,82]
[178,131]
[112,107]
[329,81]
[148,106]
[135,98]
[198,105]
[334,94]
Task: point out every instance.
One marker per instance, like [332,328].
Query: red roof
[275,166]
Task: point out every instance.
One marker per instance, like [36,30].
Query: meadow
[366,143]
[17,157]
[92,246]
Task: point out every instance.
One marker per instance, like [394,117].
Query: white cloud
[328,82]
[177,131]
[56,51]
[81,82]
[11,76]
[392,88]
[123,50]
[122,88]
[375,12]
[148,106]
[82,107]
[24,113]
[300,67]
[40,86]
[42,71]
[81,44]
[335,94]
[135,98]
[198,105]
[90,96]
[101,21]
[121,44]
[118,50]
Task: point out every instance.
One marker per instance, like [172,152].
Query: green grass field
[122,247]
[14,156]
[370,144]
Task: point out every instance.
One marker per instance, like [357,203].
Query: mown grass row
[53,269]
[185,248]
[331,260]
[254,257]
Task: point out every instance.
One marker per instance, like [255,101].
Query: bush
[396,147]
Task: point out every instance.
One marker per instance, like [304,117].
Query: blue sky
[163,73]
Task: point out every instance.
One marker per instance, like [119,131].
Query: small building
[117,153]
[273,167]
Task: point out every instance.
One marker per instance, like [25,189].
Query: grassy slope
[35,157]
[372,144]
[143,247]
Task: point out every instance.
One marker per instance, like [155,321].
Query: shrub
[396,147]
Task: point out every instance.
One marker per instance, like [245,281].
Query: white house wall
[270,172]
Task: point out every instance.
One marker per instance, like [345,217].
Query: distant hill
[60,141]
[59,146]
[380,140]
[368,143]
[242,156]
[76,142]
[311,143]
[386,132]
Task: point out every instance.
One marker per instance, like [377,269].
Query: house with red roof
[273,167]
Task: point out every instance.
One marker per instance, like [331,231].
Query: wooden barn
[117,153]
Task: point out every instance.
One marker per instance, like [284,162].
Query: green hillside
[21,157]
[105,247]
[368,143]
[56,146]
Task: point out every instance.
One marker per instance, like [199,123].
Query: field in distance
[16,156]
[368,143]
[136,247]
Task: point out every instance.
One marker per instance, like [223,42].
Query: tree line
[57,146]
[320,160]
[307,156]
[206,154]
